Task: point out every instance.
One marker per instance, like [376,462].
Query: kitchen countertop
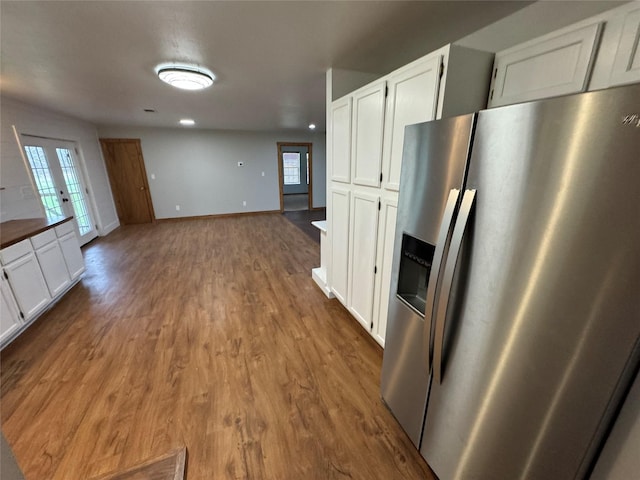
[14,231]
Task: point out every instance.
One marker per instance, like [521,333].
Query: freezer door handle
[446,226]
[447,280]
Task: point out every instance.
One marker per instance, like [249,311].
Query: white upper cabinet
[368,129]
[341,140]
[626,66]
[413,98]
[555,64]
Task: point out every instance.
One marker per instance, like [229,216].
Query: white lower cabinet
[36,273]
[362,256]
[28,285]
[384,263]
[339,241]
[72,254]
[53,267]
[10,319]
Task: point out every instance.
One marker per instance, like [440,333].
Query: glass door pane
[74,190]
[44,181]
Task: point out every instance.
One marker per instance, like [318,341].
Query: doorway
[295,167]
[128,179]
[59,179]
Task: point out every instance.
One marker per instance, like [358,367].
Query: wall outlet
[241,164]
[178,208]
[244,203]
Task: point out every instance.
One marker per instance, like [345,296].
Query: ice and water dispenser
[415,266]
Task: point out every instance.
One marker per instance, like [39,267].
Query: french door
[60,183]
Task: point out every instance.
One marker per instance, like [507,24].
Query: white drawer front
[43,238]
[20,249]
[66,227]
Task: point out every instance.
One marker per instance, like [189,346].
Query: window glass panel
[291,168]
[44,181]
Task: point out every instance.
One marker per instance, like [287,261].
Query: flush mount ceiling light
[187,122]
[312,126]
[186,77]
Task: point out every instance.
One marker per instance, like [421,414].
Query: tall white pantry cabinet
[364,145]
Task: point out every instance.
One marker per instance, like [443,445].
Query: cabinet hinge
[495,73]
[491,96]
[86,190]
[5,275]
[380,177]
[379,205]
[386,91]
[76,150]
[22,315]
[441,69]
[375,269]
[371,325]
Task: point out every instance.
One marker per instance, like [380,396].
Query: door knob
[141,188]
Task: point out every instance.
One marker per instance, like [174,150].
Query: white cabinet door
[53,267]
[362,256]
[339,234]
[545,67]
[10,319]
[386,239]
[626,67]
[72,254]
[341,140]
[413,98]
[368,128]
[28,285]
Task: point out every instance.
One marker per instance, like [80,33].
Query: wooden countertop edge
[29,228]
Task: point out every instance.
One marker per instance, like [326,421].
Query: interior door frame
[309,146]
[104,144]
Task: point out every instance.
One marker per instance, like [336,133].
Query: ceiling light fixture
[187,122]
[312,126]
[186,77]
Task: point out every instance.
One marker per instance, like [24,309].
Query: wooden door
[128,179]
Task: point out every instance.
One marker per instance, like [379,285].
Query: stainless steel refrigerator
[514,321]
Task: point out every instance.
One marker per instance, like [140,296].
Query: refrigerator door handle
[447,280]
[435,276]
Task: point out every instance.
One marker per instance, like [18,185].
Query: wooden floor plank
[208,334]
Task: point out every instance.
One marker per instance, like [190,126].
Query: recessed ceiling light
[312,126]
[186,77]
[187,122]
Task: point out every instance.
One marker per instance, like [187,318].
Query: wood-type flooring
[208,334]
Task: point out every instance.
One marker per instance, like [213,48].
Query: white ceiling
[95,59]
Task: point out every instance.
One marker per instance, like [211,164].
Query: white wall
[18,199]
[197,169]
